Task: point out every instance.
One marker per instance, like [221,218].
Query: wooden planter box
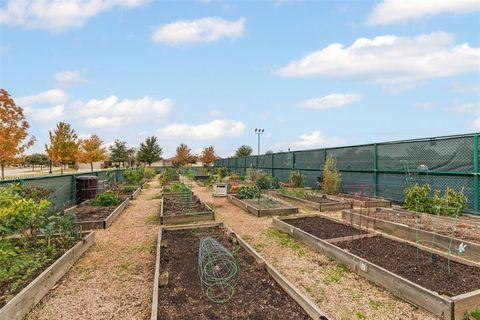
[332,205]
[105,223]
[261,212]
[442,242]
[136,193]
[450,308]
[25,300]
[207,215]
[310,308]
[176,194]
[462,219]
[365,202]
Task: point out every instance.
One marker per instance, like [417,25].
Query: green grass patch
[360,315]
[153,219]
[335,274]
[473,315]
[286,240]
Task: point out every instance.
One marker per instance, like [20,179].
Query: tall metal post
[475,172]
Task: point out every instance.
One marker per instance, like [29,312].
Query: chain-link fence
[442,162]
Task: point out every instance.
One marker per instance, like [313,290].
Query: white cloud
[424,105]
[389,60]
[394,11]
[58,15]
[315,139]
[334,100]
[54,96]
[472,108]
[464,88]
[69,77]
[46,115]
[203,30]
[220,128]
[123,112]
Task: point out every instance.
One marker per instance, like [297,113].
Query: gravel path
[113,280]
[340,293]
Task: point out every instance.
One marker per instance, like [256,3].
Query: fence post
[375,177]
[475,172]
[73,189]
[236,159]
[294,159]
[273,167]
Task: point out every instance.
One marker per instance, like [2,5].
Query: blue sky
[311,73]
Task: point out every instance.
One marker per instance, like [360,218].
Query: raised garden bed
[266,207]
[363,201]
[414,234]
[316,202]
[175,210]
[260,292]
[393,265]
[34,289]
[96,217]
[467,229]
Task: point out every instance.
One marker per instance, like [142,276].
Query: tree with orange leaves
[13,130]
[63,146]
[91,150]
[208,156]
[184,156]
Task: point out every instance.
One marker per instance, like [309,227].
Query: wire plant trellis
[218,270]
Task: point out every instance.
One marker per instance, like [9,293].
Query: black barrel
[86,188]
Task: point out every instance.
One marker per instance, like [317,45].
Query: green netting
[312,159]
[353,158]
[442,162]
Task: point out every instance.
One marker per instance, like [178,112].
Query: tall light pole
[259,132]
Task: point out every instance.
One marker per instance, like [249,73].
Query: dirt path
[113,280]
[337,291]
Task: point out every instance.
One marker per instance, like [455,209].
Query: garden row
[37,247]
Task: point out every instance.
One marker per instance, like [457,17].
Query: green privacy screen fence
[450,161]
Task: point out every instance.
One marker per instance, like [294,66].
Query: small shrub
[296,179]
[149,173]
[37,193]
[266,182]
[176,187]
[222,172]
[133,176]
[247,192]
[331,176]
[417,198]
[106,199]
[129,188]
[168,175]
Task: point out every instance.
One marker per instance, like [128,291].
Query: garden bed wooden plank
[26,299]
[442,242]
[364,202]
[333,205]
[186,218]
[104,223]
[261,212]
[441,306]
[301,299]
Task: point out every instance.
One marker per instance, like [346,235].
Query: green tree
[149,151]
[63,147]
[243,151]
[36,159]
[118,152]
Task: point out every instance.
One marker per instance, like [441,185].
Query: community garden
[222,242]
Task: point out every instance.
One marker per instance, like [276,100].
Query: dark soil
[173,206]
[319,199]
[87,212]
[431,271]
[324,228]
[257,295]
[26,274]
[265,203]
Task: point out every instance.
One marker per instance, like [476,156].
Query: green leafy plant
[176,187]
[134,176]
[105,199]
[149,173]
[266,182]
[296,179]
[418,198]
[129,188]
[331,176]
[222,172]
[298,193]
[168,175]
[248,192]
